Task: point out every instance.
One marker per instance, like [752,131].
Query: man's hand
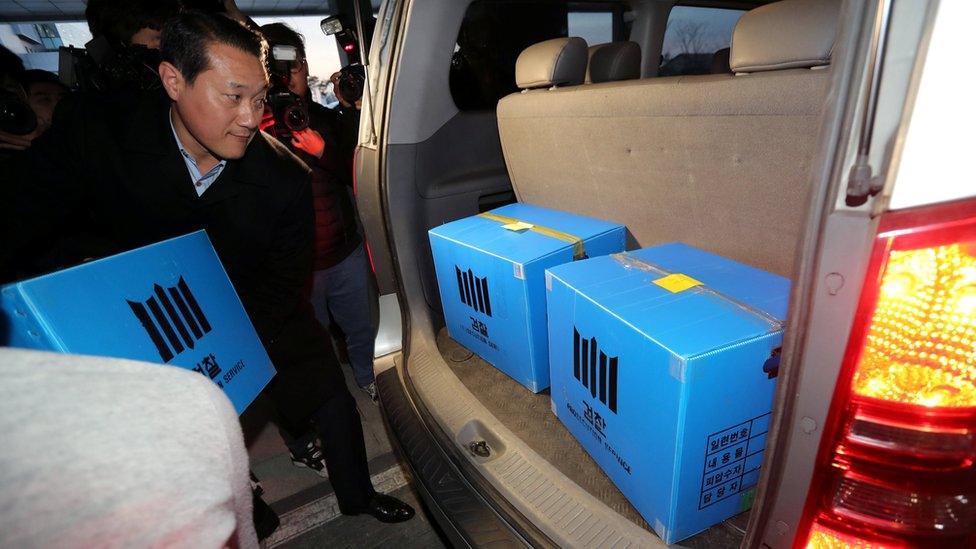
[309,141]
[9,141]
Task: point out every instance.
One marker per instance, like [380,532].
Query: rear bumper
[459,509]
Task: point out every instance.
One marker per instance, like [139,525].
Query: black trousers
[309,389]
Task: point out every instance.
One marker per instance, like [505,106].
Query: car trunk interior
[530,417]
[721,161]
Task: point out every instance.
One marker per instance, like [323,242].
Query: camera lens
[16,117]
[296,118]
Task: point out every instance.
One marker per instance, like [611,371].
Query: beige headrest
[613,61]
[785,35]
[556,62]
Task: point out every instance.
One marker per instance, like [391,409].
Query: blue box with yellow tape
[169,303]
[490,270]
[663,364]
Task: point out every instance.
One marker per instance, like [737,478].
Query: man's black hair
[120,20]
[93,14]
[36,76]
[187,36]
[280,34]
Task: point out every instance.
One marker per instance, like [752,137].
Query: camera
[352,79]
[16,117]
[101,67]
[290,111]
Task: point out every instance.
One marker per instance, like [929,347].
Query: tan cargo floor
[529,416]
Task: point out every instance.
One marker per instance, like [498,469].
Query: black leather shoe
[384,508]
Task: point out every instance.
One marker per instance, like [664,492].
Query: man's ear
[172,78]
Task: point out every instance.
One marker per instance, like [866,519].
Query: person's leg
[319,298]
[306,452]
[341,431]
[353,303]
[338,425]
[310,387]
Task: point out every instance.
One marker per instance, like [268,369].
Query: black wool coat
[108,176]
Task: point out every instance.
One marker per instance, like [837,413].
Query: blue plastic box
[663,364]
[169,303]
[491,273]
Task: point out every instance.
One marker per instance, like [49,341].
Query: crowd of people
[129,160]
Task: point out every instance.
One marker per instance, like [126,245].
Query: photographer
[18,126]
[347,85]
[342,285]
[44,92]
[123,54]
[145,168]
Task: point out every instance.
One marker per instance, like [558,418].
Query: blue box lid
[521,246]
[734,302]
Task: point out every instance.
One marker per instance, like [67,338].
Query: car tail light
[896,462]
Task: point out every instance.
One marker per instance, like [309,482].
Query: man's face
[147,37]
[222,108]
[43,97]
[298,77]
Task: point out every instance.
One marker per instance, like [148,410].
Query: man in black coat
[130,171]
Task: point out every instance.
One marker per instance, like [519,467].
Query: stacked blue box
[663,365]
[491,273]
[169,303]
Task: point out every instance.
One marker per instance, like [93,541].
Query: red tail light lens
[896,463]
[822,537]
[920,345]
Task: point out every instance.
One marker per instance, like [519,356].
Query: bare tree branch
[692,36]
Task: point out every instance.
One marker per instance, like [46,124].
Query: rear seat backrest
[613,62]
[720,162]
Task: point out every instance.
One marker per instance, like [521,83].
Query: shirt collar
[187,156]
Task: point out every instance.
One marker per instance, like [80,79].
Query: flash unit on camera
[331,25]
[284,53]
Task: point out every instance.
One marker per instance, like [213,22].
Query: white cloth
[100,452]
